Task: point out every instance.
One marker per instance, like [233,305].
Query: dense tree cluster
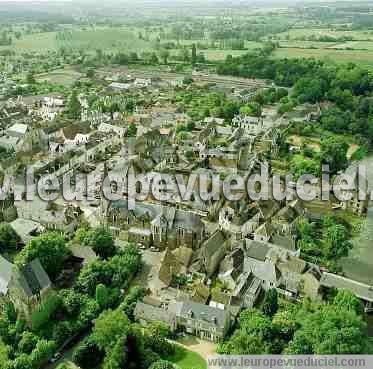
[67,313]
[347,87]
[336,327]
[50,248]
[200,103]
[324,242]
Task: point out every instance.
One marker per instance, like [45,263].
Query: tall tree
[194,54]
[74,107]
[50,249]
[270,304]
[334,152]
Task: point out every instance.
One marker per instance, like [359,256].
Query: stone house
[174,263]
[50,215]
[146,313]
[252,126]
[26,287]
[206,322]
[211,253]
[169,226]
[203,321]
[282,269]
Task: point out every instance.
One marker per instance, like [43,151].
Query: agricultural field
[105,39]
[297,33]
[364,58]
[65,77]
[34,43]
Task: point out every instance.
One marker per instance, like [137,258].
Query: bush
[87,355]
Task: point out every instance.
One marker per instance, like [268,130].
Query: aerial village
[205,261]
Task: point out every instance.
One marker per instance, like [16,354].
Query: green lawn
[187,359]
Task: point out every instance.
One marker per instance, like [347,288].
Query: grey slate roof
[257,250]
[204,313]
[153,313]
[32,278]
[361,290]
[25,227]
[214,243]
[176,218]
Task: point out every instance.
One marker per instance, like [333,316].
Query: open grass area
[187,359]
[364,58]
[34,43]
[307,32]
[65,77]
[106,39]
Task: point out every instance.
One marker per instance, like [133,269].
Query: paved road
[68,354]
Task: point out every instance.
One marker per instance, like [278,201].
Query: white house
[112,129]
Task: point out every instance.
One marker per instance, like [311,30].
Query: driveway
[194,344]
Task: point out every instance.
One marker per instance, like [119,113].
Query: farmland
[364,58]
[106,39]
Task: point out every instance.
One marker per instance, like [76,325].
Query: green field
[364,58]
[307,32]
[106,39]
[356,45]
[34,43]
[187,359]
[65,77]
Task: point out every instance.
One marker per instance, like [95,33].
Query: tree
[101,241]
[253,109]
[28,342]
[30,79]
[43,315]
[87,355]
[90,73]
[194,54]
[255,329]
[284,322]
[102,296]
[346,299]
[243,344]
[116,356]
[132,130]
[335,239]
[110,326]
[43,351]
[256,323]
[8,238]
[164,54]
[330,329]
[4,353]
[270,304]
[74,107]
[50,249]
[334,152]
[128,305]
